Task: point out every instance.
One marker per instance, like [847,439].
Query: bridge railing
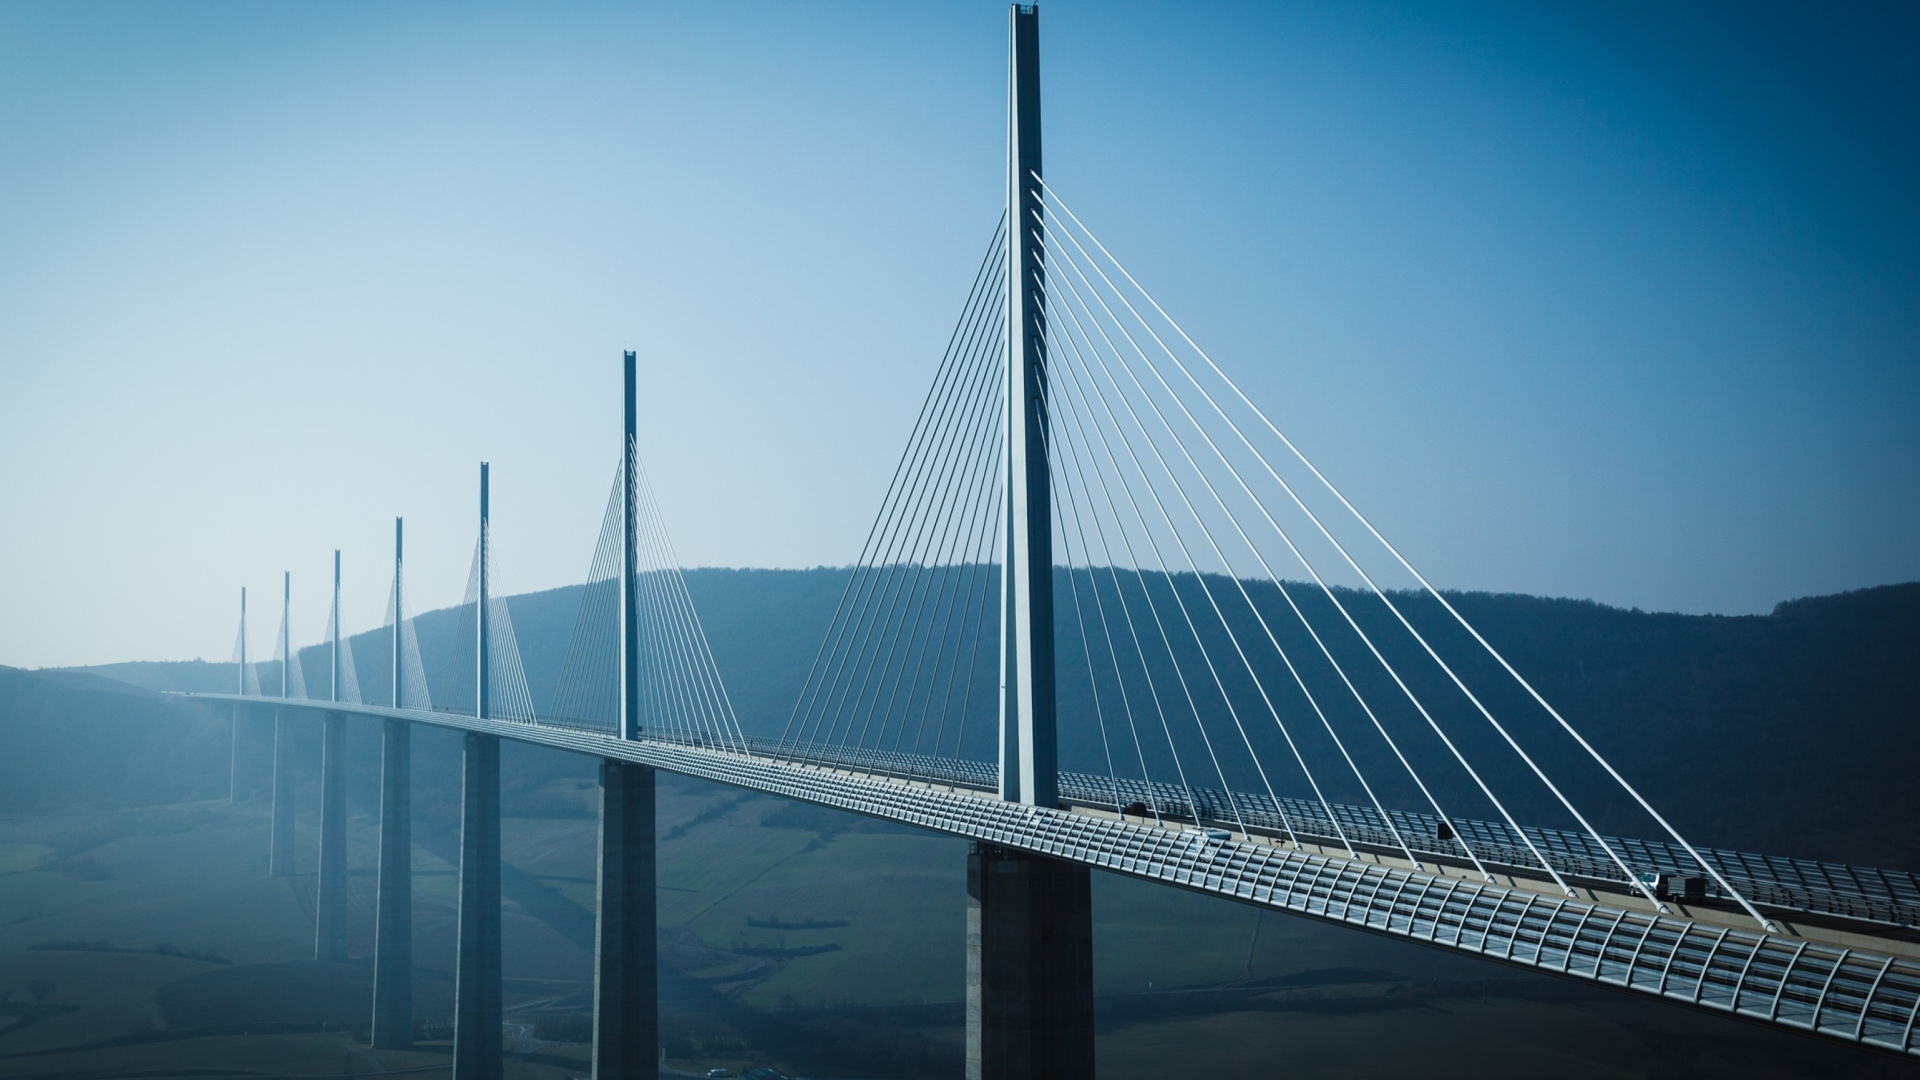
[1868,894]
[1854,892]
[1839,992]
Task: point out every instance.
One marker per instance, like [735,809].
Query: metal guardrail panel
[1855,892]
[1845,994]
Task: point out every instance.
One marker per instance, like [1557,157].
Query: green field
[854,969]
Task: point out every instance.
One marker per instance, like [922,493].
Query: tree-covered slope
[1794,732]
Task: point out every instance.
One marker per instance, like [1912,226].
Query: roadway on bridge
[1825,976]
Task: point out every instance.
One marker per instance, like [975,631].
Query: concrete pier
[280,854]
[233,755]
[477,1007]
[1029,967]
[253,730]
[239,712]
[330,899]
[393,912]
[626,976]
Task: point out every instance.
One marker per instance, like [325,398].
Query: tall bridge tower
[1028,758]
[626,952]
[1029,918]
[477,1003]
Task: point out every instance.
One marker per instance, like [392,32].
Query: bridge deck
[1814,977]
[1821,889]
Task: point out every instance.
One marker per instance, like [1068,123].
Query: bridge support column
[233,755]
[330,900]
[280,853]
[393,928]
[477,1007]
[239,712]
[1029,967]
[253,729]
[626,974]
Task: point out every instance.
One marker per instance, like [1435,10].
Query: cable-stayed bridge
[1107,616]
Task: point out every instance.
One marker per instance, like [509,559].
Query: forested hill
[1796,732]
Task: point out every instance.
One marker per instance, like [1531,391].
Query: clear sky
[1615,301]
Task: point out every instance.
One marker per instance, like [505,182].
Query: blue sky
[1620,303]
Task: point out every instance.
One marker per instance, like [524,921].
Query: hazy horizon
[260,631]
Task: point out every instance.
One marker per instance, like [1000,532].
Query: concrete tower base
[393,926]
[477,1007]
[626,974]
[1029,967]
[280,854]
[330,899]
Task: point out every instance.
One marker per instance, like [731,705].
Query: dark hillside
[830,945]
[1794,732]
[1791,733]
[70,740]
